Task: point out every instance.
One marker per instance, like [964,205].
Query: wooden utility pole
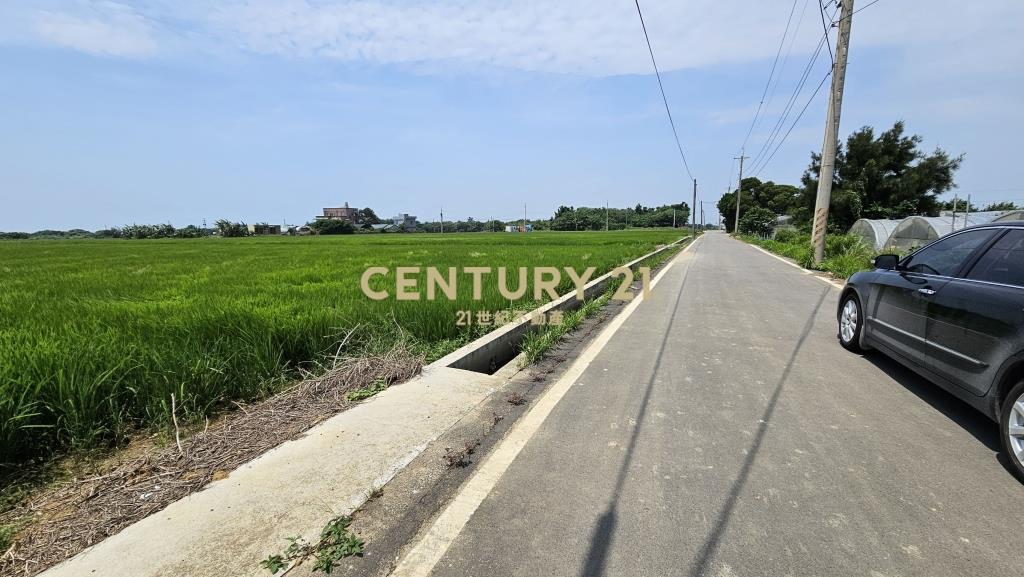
[828,152]
[739,194]
[693,211]
[968,212]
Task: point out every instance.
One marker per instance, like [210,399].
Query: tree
[331,226]
[757,220]
[367,216]
[779,199]
[959,206]
[596,218]
[879,177]
[190,231]
[227,229]
[1001,206]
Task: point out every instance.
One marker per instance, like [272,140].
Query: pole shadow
[707,551]
[604,531]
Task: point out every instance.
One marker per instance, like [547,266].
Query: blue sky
[176,112]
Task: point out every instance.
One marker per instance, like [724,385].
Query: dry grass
[58,522]
[458,458]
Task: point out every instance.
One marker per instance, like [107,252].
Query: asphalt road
[723,431]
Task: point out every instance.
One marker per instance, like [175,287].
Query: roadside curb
[495,349]
[814,273]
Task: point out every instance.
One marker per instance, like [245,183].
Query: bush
[786,235]
[757,220]
[332,226]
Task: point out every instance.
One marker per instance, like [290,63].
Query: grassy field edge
[845,254]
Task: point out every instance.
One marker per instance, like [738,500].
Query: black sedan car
[953,312]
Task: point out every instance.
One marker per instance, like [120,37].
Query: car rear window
[1004,262]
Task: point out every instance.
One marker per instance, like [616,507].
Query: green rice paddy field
[95,335]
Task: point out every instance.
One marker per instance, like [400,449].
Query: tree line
[565,218]
[877,176]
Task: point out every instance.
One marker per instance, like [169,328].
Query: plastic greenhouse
[874,232]
[1010,215]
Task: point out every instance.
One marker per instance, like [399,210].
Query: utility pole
[524,218]
[739,193]
[673,218]
[693,211]
[442,221]
[702,215]
[954,213]
[968,212]
[828,153]
[606,216]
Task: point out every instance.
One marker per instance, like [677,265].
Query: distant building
[518,228]
[384,227]
[406,221]
[264,228]
[340,213]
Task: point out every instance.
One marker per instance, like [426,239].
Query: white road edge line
[794,265]
[424,556]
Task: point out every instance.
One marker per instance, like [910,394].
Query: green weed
[536,344]
[367,392]
[845,254]
[335,543]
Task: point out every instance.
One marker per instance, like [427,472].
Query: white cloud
[588,37]
[592,37]
[104,28]
[574,36]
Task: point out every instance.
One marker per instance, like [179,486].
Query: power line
[824,27]
[758,170]
[834,12]
[789,50]
[872,3]
[774,133]
[771,74]
[662,88]
[787,110]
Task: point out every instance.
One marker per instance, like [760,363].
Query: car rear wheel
[850,321]
[1011,428]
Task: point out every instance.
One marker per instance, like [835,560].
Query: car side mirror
[886,261]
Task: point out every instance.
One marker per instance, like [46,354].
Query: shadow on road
[603,534]
[969,419]
[601,538]
[707,551]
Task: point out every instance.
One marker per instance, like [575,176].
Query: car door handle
[926,291]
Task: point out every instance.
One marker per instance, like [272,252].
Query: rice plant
[95,335]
